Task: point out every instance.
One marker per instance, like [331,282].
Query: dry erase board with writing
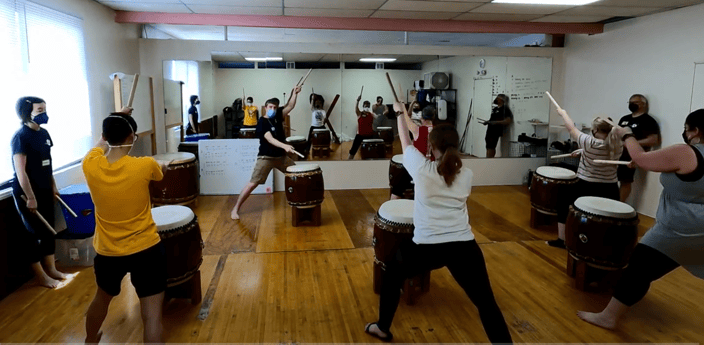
[142,103]
[226,166]
[527,79]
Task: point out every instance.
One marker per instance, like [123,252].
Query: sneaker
[558,243]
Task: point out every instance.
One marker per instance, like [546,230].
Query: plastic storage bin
[75,252]
[78,198]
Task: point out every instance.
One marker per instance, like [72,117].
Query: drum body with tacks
[180,235]
[602,232]
[299,144]
[393,225]
[387,135]
[372,149]
[248,133]
[321,137]
[549,182]
[180,182]
[398,175]
[304,185]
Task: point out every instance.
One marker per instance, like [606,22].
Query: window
[188,73]
[44,56]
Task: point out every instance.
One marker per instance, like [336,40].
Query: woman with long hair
[442,236]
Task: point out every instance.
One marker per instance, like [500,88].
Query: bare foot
[57,275]
[597,319]
[234,214]
[96,339]
[47,281]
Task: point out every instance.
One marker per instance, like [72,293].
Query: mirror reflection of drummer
[442,236]
[594,179]
[365,119]
[272,147]
[126,238]
[317,116]
[497,126]
[251,114]
[420,142]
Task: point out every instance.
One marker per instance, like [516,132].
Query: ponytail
[445,139]
[612,142]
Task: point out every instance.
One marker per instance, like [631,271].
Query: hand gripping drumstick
[388,77]
[611,162]
[41,218]
[66,206]
[133,90]
[303,80]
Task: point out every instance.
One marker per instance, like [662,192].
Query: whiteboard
[226,166]
[527,80]
[173,102]
[142,103]
[697,101]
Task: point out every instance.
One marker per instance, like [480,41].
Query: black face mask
[684,137]
[197,102]
[633,107]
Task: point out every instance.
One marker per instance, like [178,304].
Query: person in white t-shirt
[442,235]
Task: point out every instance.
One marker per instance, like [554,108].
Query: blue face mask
[41,119]
[270,113]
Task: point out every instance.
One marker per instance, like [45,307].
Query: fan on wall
[437,80]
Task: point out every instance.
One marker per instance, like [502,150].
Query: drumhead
[605,207]
[398,159]
[320,130]
[247,129]
[302,168]
[556,173]
[373,141]
[383,128]
[176,157]
[295,139]
[171,217]
[397,211]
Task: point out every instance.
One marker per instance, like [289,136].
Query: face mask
[366,109]
[41,119]
[197,102]
[249,103]
[633,107]
[684,137]
[270,113]
[494,106]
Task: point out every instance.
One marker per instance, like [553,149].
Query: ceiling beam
[372,24]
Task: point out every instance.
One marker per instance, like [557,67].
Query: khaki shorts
[265,164]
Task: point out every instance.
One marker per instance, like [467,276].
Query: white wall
[652,55]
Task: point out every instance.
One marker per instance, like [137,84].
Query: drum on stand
[321,142]
[300,144]
[372,149]
[399,175]
[387,135]
[180,182]
[180,234]
[393,225]
[548,182]
[248,133]
[189,146]
[305,191]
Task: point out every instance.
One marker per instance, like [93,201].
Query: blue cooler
[197,137]
[77,197]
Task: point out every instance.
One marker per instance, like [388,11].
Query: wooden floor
[265,281]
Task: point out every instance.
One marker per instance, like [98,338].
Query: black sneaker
[558,243]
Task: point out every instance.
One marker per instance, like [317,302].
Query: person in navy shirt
[34,181]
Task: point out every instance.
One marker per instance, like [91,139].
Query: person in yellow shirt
[126,238]
[251,114]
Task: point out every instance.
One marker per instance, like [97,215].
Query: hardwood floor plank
[233,236]
[358,216]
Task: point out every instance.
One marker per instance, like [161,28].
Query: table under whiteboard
[226,166]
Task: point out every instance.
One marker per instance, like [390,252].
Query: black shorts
[625,174]
[491,141]
[147,270]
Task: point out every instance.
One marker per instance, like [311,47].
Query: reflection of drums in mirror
[372,149]
[599,233]
[305,191]
[321,142]
[189,146]
[393,225]
[180,234]
[299,144]
[248,133]
[548,182]
[400,181]
[180,183]
[387,135]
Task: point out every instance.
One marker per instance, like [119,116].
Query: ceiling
[312,57]
[476,10]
